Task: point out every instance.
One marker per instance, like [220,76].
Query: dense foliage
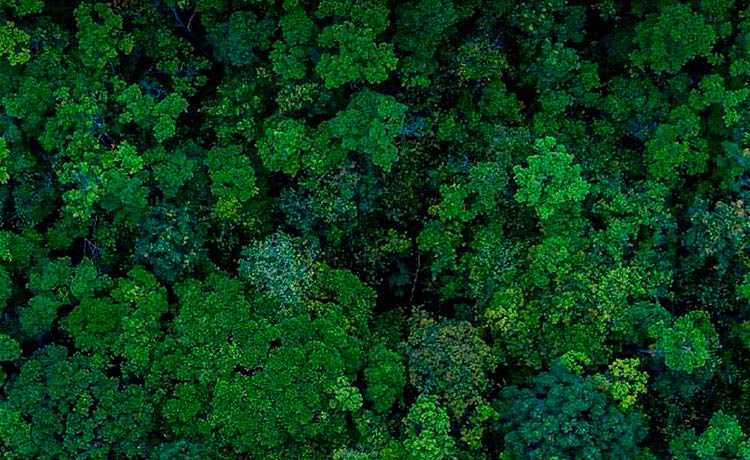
[369,229]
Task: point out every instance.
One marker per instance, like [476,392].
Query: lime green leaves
[14,43]
[6,162]
[428,428]
[232,180]
[625,382]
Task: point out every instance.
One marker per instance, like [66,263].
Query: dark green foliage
[449,359]
[566,416]
[361,229]
[385,378]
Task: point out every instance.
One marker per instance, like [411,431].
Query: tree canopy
[362,229]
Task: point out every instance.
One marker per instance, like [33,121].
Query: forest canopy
[371,229]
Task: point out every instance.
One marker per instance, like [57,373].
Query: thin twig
[177,17]
[416,277]
[190,21]
[179,21]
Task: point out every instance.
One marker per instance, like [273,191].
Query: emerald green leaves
[145,112]
[285,143]
[670,38]
[359,57]
[10,350]
[238,41]
[100,35]
[64,406]
[356,55]
[232,181]
[369,126]
[361,229]
[677,144]
[724,438]
[566,416]
[551,181]
[385,378]
[428,428]
[689,344]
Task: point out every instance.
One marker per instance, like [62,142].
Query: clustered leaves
[360,229]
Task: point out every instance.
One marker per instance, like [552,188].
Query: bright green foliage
[625,382]
[677,145]
[69,408]
[369,126]
[6,163]
[289,57]
[427,431]
[551,181]
[100,35]
[722,439]
[712,91]
[232,181]
[145,300]
[49,283]
[173,170]
[145,112]
[688,344]
[385,378]
[14,43]
[361,229]
[284,145]
[95,324]
[566,416]
[254,350]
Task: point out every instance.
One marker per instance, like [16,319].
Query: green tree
[428,428]
[566,416]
